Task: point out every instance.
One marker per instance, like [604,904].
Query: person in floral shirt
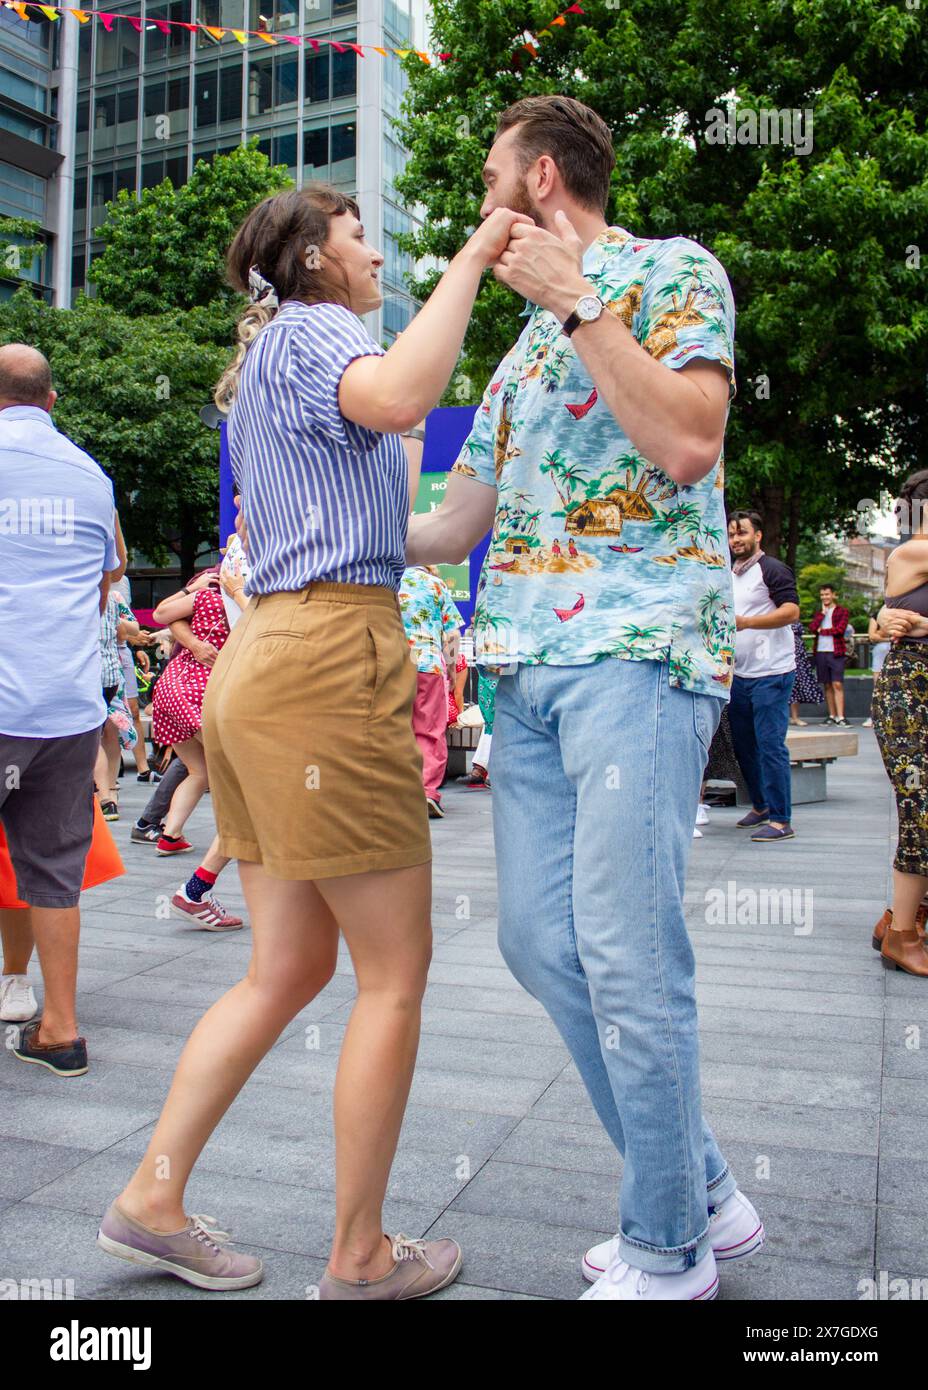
[595,460]
[431,622]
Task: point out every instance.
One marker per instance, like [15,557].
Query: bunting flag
[244,36]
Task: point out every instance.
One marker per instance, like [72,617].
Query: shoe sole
[199,923]
[749,1246]
[19,1018]
[41,1062]
[137,840]
[189,1276]
[166,853]
[755,825]
[765,840]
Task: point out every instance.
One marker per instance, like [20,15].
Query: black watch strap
[571,322]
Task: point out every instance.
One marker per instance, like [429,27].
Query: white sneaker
[735,1230]
[17,1000]
[702,814]
[697,834]
[621,1280]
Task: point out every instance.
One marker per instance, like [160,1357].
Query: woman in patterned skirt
[900,721]
[806,689]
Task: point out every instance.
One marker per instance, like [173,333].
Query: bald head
[25,377]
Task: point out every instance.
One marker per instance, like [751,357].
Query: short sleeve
[687,308]
[780,581]
[123,611]
[110,555]
[476,459]
[327,339]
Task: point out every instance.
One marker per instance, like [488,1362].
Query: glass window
[152,170]
[206,97]
[80,205]
[230,92]
[317,75]
[273,15]
[316,153]
[118,50]
[84,41]
[165,107]
[102,193]
[285,148]
[104,122]
[344,73]
[261,85]
[176,41]
[175,168]
[125,176]
[127,113]
[78,263]
[343,152]
[286,77]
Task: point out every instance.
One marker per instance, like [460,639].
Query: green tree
[19,246]
[821,248]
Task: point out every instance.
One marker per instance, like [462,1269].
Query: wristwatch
[587,308]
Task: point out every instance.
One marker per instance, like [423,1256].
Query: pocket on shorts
[386,662]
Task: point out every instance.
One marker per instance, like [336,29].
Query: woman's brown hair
[283,237]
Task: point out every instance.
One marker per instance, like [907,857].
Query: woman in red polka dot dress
[177,706]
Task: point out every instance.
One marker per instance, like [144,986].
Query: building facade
[99,110]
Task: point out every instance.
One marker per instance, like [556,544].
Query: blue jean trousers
[596,777]
[759,718]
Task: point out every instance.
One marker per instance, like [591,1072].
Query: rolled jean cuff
[720,1188]
[655,1260]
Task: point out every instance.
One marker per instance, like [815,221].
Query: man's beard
[521,202]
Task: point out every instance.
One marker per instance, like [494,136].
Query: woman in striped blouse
[315,774]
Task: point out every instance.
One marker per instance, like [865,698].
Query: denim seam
[657,947]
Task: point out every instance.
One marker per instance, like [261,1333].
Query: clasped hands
[544,267]
[902,622]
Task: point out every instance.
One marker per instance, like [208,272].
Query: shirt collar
[27,412]
[609,241]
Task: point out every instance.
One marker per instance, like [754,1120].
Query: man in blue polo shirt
[58,552]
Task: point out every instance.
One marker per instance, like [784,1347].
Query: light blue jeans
[596,775]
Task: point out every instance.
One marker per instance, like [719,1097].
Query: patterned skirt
[900,722]
[806,689]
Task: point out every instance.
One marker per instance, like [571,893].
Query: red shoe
[180,846]
[209,913]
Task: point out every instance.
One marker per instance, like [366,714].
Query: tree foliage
[822,248]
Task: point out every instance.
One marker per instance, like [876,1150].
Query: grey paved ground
[810,1080]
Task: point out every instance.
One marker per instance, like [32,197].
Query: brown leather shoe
[883,925]
[905,950]
[421,1267]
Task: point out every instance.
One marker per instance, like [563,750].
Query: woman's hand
[204,652]
[902,622]
[491,238]
[202,581]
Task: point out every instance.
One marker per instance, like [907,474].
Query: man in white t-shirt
[830,626]
[766,604]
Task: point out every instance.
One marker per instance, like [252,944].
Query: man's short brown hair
[25,376]
[579,142]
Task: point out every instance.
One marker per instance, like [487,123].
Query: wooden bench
[810,752]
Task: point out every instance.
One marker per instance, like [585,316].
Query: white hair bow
[260,290]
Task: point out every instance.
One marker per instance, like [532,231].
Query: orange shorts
[307,726]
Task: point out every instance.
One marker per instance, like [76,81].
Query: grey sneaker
[195,1254]
[422,1267]
[145,835]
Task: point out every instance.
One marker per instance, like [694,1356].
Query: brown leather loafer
[883,925]
[905,950]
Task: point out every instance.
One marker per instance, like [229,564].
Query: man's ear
[52,398]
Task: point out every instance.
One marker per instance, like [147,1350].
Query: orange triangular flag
[402,52]
[266,37]
[216,33]
[81,16]
[20,9]
[379,50]
[560,20]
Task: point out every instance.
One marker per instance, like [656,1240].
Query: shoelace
[199,1230]
[216,907]
[618,1271]
[406,1249]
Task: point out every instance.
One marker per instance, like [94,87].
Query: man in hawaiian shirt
[432,623]
[608,608]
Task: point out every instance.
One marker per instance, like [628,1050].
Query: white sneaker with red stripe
[624,1281]
[208,914]
[735,1230]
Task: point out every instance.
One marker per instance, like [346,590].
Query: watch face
[589,307]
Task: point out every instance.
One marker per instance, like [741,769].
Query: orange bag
[103,861]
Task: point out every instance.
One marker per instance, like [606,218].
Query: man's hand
[204,652]
[902,622]
[545,267]
[741,623]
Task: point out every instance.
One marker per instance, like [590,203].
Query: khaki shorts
[307,726]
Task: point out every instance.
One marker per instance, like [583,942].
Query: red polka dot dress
[177,705]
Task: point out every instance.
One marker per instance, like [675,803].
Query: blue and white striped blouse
[324,498]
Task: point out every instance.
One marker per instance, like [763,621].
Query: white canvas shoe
[623,1281]
[17,1000]
[702,814]
[735,1230]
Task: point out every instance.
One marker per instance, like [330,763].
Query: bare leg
[385,919]
[16,934]
[908,892]
[830,698]
[57,930]
[140,751]
[838,689]
[213,861]
[294,950]
[191,789]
